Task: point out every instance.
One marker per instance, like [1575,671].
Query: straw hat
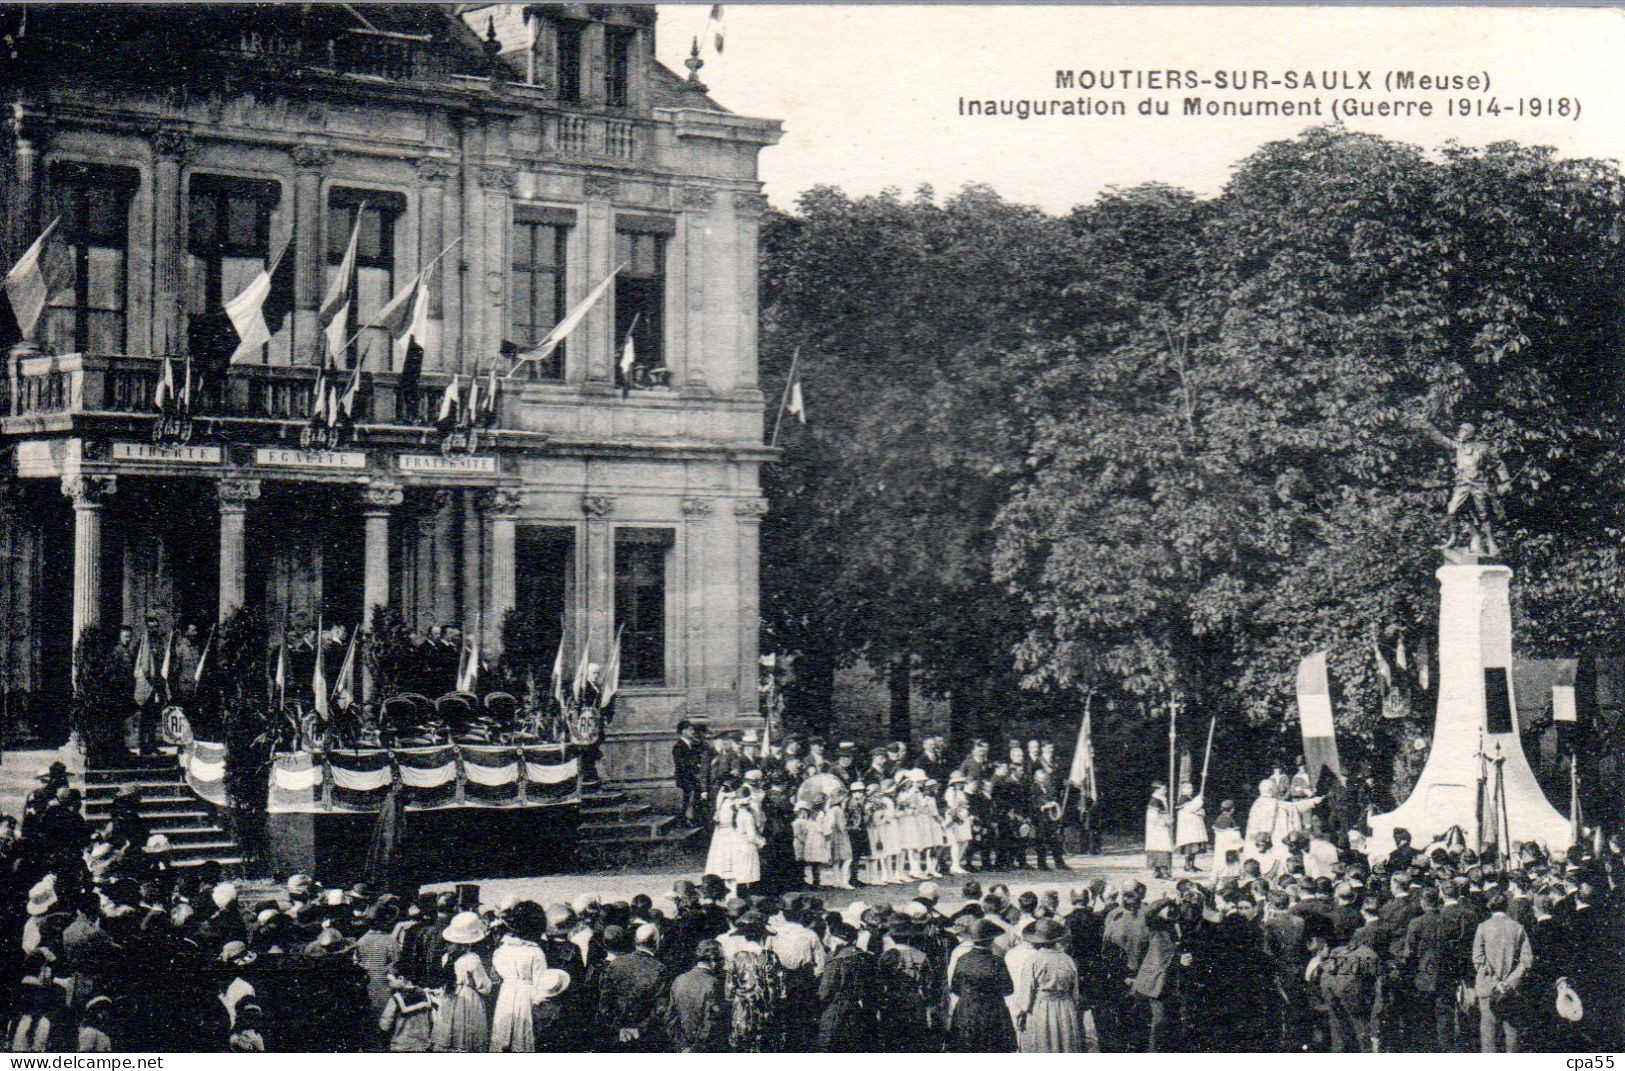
[551,983]
[42,897]
[466,929]
[157,844]
[1045,932]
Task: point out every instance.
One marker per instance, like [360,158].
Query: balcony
[602,137]
[48,387]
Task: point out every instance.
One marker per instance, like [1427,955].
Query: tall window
[570,62]
[375,262]
[228,243]
[540,239]
[640,602]
[94,204]
[618,44]
[640,303]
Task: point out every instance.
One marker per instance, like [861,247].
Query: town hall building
[524,153]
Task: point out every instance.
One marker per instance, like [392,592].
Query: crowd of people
[1439,948]
[807,814]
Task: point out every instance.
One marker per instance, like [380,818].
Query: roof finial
[694,63]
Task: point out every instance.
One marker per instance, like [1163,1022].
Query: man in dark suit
[690,762]
[631,990]
[697,1014]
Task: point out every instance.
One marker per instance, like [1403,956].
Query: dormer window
[569,71]
[619,41]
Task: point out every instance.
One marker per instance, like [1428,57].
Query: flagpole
[784,398]
[1208,754]
[1173,772]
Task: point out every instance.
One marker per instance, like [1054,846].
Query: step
[113,788]
[619,810]
[151,808]
[133,764]
[163,823]
[219,844]
[154,789]
[227,861]
[190,836]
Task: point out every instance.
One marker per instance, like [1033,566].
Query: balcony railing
[83,383]
[593,136]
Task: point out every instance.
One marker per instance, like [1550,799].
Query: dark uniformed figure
[690,762]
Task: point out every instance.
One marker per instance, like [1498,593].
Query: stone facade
[465,130]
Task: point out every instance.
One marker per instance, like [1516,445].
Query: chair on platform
[461,713]
[502,711]
[410,718]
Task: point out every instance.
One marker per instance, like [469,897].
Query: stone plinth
[1473,719]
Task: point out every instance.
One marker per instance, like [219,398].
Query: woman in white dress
[721,852]
[518,963]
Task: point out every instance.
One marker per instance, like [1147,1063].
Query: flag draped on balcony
[259,312]
[38,273]
[561,330]
[333,316]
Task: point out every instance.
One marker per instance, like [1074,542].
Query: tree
[1229,475]
[879,545]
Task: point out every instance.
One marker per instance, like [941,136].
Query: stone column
[473,561]
[597,606]
[749,513]
[311,161]
[378,501]
[169,149]
[748,209]
[432,176]
[500,506]
[89,494]
[698,202]
[235,495]
[29,135]
[497,184]
[697,657]
[445,557]
[592,353]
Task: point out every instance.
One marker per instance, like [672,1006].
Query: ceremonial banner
[1315,714]
[296,783]
[205,766]
[1082,776]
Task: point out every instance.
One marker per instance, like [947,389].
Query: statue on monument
[1477,465]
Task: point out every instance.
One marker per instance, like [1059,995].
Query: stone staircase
[168,805]
[614,821]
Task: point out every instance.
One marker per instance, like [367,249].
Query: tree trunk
[899,681]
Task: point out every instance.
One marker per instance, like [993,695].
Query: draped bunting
[296,782]
[360,771]
[427,767]
[553,782]
[205,765]
[488,775]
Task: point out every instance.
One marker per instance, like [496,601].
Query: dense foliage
[1171,445]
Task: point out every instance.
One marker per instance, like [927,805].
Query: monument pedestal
[1477,721]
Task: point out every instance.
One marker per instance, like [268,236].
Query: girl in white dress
[935,836]
[745,844]
[957,819]
[719,856]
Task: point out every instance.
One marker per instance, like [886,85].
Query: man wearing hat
[51,779]
[689,760]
